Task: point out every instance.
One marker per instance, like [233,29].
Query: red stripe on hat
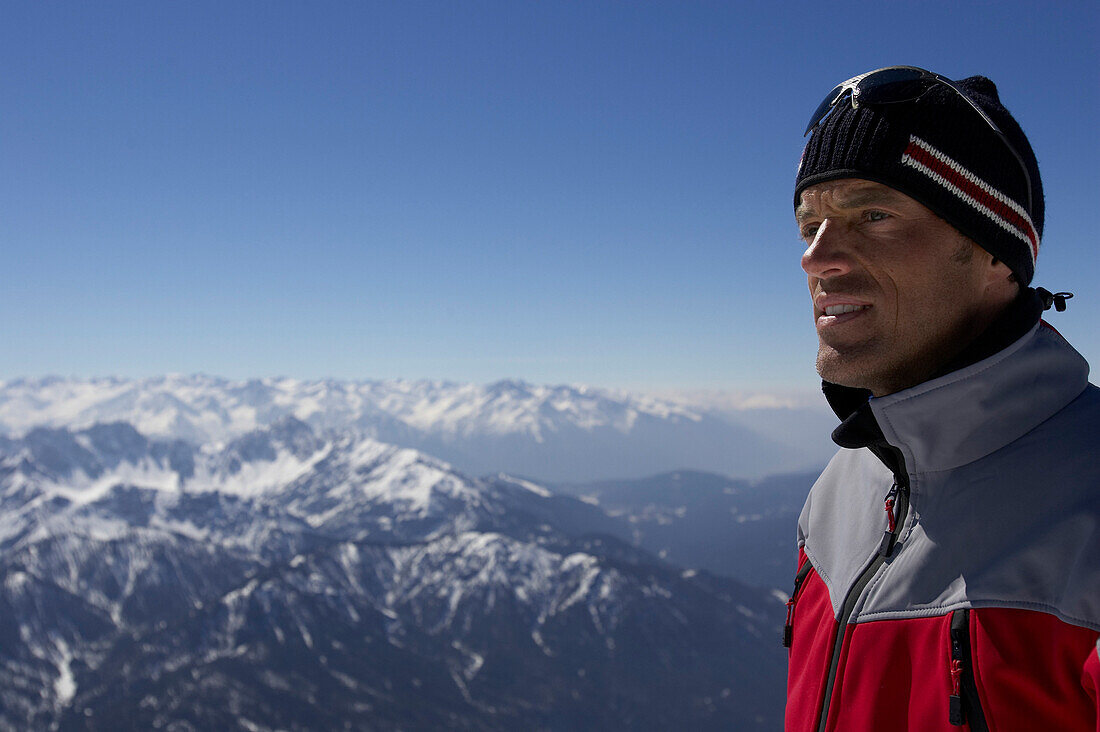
[958,177]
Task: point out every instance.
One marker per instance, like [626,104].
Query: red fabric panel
[1033,672]
[1031,668]
[896,675]
[1091,682]
[808,656]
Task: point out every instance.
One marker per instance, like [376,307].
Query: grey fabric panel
[1004,467]
[843,519]
[970,413]
[1020,528]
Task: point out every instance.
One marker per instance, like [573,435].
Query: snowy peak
[344,485]
[200,408]
[555,433]
[287,435]
[61,455]
[268,460]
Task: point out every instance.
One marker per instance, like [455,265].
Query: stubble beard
[853,367]
[885,367]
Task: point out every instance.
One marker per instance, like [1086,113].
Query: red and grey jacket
[949,558]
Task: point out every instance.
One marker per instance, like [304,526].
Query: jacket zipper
[963,705]
[788,629]
[886,546]
[897,507]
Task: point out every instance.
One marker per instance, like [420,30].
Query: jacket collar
[962,414]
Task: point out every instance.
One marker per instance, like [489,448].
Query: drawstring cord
[1057,299]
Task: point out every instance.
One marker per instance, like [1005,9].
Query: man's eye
[809,231]
[876,215]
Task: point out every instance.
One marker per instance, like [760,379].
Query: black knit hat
[938,150]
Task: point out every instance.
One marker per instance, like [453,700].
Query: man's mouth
[842,309]
[840,315]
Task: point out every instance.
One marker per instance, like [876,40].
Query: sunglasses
[902,84]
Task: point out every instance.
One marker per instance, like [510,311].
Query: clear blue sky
[593,192]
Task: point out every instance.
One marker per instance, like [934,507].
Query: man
[949,555]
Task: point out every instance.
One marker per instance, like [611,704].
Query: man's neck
[1017,318]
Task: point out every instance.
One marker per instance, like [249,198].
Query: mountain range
[551,433]
[297,576]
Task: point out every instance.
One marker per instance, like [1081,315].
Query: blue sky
[592,192]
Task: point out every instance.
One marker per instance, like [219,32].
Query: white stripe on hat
[1002,210]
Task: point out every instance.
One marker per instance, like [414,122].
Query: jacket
[949,555]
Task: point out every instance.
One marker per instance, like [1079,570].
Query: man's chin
[843,370]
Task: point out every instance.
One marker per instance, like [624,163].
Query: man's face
[897,292]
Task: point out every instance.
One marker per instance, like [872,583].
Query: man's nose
[827,254]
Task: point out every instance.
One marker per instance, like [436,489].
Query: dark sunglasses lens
[823,108]
[893,85]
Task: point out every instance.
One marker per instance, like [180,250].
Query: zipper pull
[788,629]
[889,535]
[955,701]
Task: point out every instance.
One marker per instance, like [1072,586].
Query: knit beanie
[939,151]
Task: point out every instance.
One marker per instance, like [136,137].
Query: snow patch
[79,489]
[64,686]
[538,490]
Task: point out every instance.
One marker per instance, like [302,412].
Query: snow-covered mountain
[288,578]
[560,433]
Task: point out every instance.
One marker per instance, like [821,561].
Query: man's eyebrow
[802,212]
[855,199]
